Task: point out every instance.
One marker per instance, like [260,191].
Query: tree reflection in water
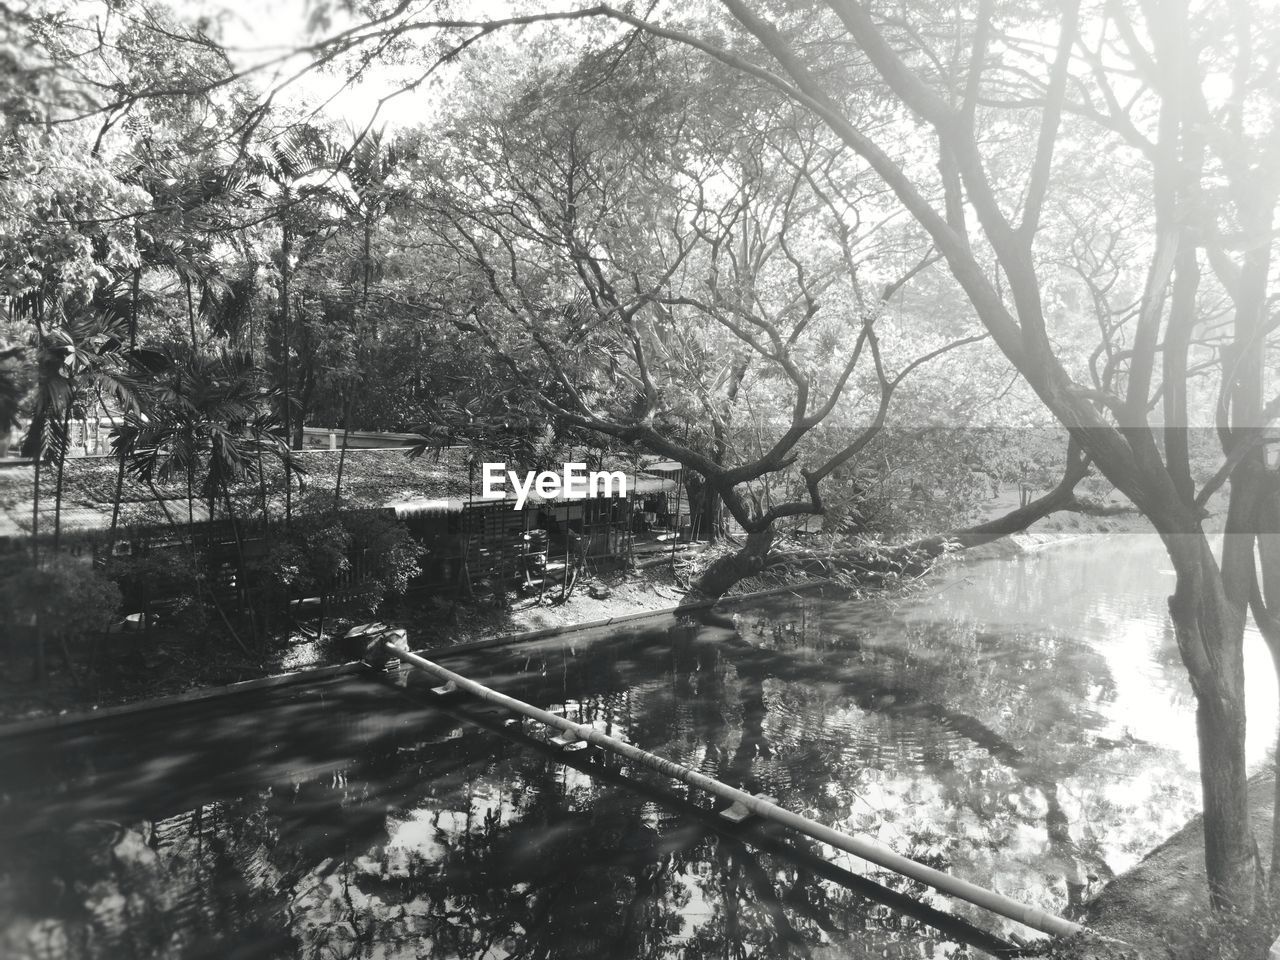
[355,820]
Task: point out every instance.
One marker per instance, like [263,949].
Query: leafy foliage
[327,544]
[72,599]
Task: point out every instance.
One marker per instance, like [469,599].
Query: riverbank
[162,662]
[165,663]
[1161,906]
[169,663]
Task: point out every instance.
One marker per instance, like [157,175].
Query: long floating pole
[761,807]
[948,924]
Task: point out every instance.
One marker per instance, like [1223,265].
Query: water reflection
[998,729]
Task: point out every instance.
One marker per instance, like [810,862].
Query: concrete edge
[20,728]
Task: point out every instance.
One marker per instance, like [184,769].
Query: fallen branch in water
[864,564]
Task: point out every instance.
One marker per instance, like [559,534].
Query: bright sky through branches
[256,32]
[259,35]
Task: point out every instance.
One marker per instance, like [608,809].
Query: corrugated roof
[426,508]
[663,467]
[653,485]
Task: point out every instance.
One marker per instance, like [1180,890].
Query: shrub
[324,545]
[391,556]
[72,599]
[165,575]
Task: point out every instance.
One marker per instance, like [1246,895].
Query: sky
[259,31]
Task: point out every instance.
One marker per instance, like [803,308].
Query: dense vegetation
[841,261]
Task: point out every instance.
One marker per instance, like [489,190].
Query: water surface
[1024,723]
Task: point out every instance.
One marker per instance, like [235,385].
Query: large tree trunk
[1210,633]
[726,571]
[1230,852]
[711,524]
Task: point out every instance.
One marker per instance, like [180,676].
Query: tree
[640,291]
[205,421]
[1200,147]
[78,357]
[369,197]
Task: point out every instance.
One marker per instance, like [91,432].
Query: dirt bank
[635,592]
[1161,906]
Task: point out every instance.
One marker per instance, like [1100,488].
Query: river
[1024,723]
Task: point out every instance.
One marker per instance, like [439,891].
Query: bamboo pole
[866,849]
[950,925]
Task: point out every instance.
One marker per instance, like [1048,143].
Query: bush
[391,556]
[325,545]
[72,599]
[165,575]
